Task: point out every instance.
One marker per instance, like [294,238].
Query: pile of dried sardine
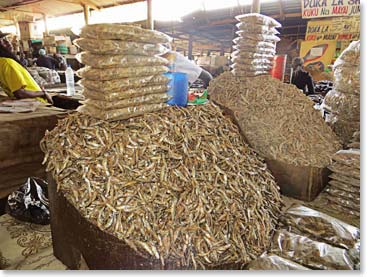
[277,119]
[176,185]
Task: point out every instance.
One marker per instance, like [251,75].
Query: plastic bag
[257,29]
[259,19]
[30,202]
[320,226]
[254,62]
[274,262]
[310,253]
[347,79]
[121,72]
[120,114]
[350,56]
[255,49]
[125,93]
[119,47]
[245,37]
[250,55]
[247,73]
[252,67]
[240,41]
[128,102]
[113,61]
[125,83]
[124,32]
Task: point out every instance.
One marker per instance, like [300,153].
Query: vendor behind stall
[14,78]
[301,78]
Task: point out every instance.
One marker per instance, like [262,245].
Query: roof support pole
[255,8]
[16,24]
[86,14]
[45,24]
[150,22]
[190,47]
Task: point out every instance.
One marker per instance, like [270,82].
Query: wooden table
[20,153]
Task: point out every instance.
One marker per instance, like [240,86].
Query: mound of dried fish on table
[176,185]
[344,101]
[123,77]
[277,119]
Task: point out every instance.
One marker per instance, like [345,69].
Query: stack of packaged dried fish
[344,100]
[356,140]
[276,119]
[178,185]
[341,198]
[255,45]
[124,76]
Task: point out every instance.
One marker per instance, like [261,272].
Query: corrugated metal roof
[30,10]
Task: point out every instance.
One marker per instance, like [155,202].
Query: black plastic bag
[30,202]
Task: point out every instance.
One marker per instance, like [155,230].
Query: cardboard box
[49,40]
[51,49]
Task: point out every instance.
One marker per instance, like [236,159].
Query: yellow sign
[327,8]
[339,28]
[318,54]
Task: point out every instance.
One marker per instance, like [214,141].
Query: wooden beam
[86,14]
[81,2]
[45,23]
[255,7]
[150,22]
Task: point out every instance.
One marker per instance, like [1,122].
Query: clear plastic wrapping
[350,56]
[310,253]
[241,73]
[112,61]
[340,193]
[257,29]
[349,204]
[274,262]
[344,186]
[124,32]
[250,55]
[349,157]
[124,93]
[251,67]
[259,19]
[347,79]
[245,36]
[118,73]
[128,102]
[321,227]
[240,42]
[345,170]
[119,47]
[255,49]
[254,62]
[119,114]
[125,83]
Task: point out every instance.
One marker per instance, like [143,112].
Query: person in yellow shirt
[14,78]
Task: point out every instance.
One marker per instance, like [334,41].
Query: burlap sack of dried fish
[241,42]
[254,49]
[344,187]
[277,120]
[350,157]
[124,93]
[126,32]
[347,80]
[122,113]
[310,253]
[177,185]
[119,47]
[340,193]
[246,37]
[350,56]
[128,102]
[274,262]
[120,72]
[124,83]
[320,227]
[113,61]
[258,19]
[250,55]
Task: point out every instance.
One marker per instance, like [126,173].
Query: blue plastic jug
[179,87]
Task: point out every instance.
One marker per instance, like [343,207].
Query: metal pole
[86,14]
[190,47]
[150,22]
[255,8]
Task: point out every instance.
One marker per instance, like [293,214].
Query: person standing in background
[301,78]
[46,61]
[15,80]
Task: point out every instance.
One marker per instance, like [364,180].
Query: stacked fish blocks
[124,76]
[255,45]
